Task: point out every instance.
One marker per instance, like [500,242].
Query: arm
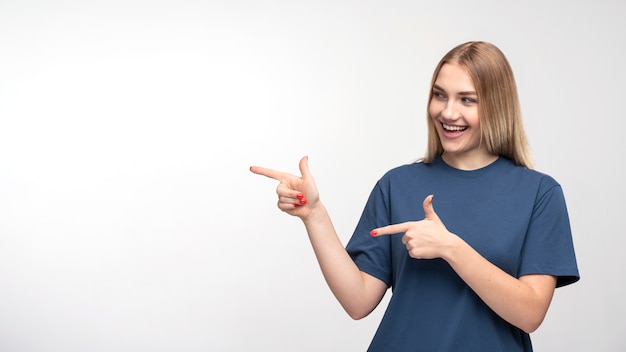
[523,301]
[357,292]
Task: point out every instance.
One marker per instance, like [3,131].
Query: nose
[450,111]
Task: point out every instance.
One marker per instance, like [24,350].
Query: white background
[129,220]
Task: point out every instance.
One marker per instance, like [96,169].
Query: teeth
[453,128]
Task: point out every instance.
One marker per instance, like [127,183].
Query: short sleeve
[548,247]
[372,255]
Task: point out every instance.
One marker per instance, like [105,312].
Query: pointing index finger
[390,230]
[276,175]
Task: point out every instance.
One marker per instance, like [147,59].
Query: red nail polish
[300,196]
[302,201]
[296,205]
[373,233]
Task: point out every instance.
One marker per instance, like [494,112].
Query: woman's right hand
[297,195]
[358,292]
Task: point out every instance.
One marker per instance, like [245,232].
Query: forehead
[453,77]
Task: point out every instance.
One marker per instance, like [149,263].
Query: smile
[453,128]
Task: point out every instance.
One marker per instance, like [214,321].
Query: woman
[479,272]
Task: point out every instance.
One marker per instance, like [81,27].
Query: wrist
[316,212]
[453,248]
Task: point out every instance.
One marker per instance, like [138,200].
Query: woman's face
[454,110]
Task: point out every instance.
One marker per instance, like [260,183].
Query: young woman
[471,239]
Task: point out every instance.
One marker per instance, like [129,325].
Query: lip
[452,134]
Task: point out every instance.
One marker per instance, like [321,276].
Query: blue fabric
[515,217]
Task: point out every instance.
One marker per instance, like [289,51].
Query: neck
[464,162]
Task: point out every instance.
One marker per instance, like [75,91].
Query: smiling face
[454,111]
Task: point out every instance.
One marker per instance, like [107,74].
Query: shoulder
[543,180]
[405,173]
[408,170]
[507,166]
[526,180]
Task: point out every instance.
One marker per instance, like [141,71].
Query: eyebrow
[460,93]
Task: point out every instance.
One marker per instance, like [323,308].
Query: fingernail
[302,201]
[296,205]
[373,233]
[300,196]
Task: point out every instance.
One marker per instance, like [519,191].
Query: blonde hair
[499,110]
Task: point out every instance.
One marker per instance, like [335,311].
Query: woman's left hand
[425,239]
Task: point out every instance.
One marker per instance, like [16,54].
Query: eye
[438,95]
[469,101]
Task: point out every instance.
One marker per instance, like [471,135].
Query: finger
[287,205]
[429,210]
[390,230]
[304,167]
[276,175]
[291,197]
[286,189]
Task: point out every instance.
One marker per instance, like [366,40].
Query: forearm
[357,292]
[522,302]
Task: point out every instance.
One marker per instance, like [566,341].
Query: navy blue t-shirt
[514,217]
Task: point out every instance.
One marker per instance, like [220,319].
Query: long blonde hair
[499,110]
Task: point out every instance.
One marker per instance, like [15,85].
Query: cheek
[432,110]
[473,119]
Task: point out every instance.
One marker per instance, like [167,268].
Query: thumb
[429,210]
[304,167]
